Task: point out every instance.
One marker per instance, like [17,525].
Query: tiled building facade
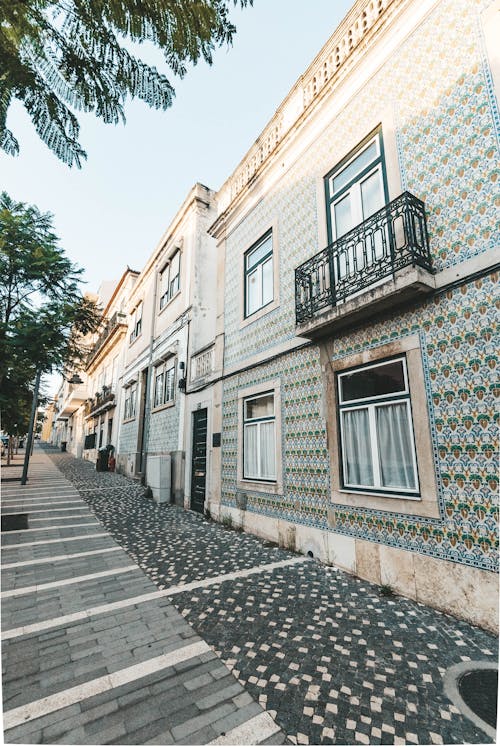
[417,112]
[313,349]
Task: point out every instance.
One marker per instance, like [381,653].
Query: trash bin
[102,463]
[102,459]
[63,446]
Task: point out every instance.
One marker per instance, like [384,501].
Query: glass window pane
[253,292]
[372,194]
[259,252]
[259,407]
[343,216]
[267,281]
[174,265]
[356,450]
[169,384]
[374,381]
[158,389]
[342,178]
[250,458]
[395,443]
[267,451]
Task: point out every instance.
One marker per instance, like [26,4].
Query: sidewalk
[327,657]
[93,652]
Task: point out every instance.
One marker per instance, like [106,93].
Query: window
[136,322]
[376,430]
[170,279]
[258,269]
[164,383]
[355,190]
[89,441]
[130,401]
[259,439]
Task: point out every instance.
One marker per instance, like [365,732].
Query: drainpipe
[147,400]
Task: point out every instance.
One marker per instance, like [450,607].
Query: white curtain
[267,451]
[395,446]
[251,459]
[356,447]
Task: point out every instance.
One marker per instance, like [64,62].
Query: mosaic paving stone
[332,660]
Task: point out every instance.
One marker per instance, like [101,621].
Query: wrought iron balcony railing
[391,239]
[116,320]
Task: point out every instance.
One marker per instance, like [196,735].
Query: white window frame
[272,487]
[257,422]
[170,285]
[370,404]
[165,372]
[257,270]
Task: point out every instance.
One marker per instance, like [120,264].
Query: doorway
[199,460]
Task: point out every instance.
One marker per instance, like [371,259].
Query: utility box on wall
[158,477]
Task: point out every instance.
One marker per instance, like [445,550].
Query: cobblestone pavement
[330,658]
[93,653]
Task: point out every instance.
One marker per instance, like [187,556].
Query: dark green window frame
[332,197]
[249,270]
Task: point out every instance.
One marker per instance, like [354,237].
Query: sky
[113,211]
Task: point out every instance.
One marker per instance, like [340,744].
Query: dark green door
[199,460]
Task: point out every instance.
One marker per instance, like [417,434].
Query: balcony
[73,399]
[117,321]
[381,263]
[102,401]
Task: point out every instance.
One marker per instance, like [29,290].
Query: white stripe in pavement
[36,500]
[48,528]
[108,489]
[101,609]
[232,576]
[65,582]
[34,491]
[251,732]
[59,558]
[123,603]
[40,487]
[57,518]
[51,703]
[45,510]
[53,541]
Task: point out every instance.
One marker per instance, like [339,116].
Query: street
[225,639]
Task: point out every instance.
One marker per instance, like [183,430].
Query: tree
[43,315]
[63,55]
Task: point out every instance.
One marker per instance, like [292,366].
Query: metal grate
[15,522]
[479,690]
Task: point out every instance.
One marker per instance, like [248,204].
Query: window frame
[258,266]
[130,402]
[428,505]
[136,322]
[272,487]
[333,197]
[370,404]
[162,370]
[258,422]
[169,293]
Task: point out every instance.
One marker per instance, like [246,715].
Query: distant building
[169,347]
[358,257]
[104,369]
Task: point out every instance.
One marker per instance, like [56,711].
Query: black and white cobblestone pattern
[332,660]
[151,532]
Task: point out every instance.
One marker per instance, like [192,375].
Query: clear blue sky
[113,211]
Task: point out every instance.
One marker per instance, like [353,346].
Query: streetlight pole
[29,441]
